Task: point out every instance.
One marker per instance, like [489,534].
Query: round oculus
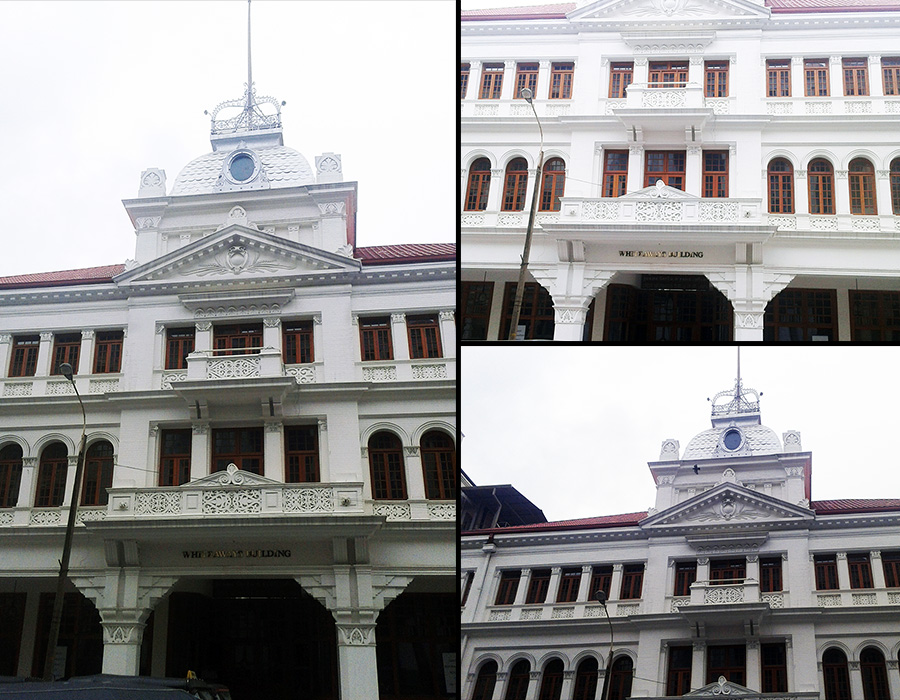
[732,439]
[241,167]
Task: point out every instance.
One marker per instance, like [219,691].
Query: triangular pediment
[669,10]
[719,688]
[239,253]
[232,476]
[729,506]
[659,191]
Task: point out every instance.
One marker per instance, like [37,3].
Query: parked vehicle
[111,687]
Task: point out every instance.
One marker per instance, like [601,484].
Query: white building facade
[713,170]
[269,492]
[734,583]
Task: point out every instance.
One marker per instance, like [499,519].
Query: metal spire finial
[249,68]
[737,386]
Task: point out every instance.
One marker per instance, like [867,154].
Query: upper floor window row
[527,73]
[423,336]
[553,183]
[66,347]
[569,584]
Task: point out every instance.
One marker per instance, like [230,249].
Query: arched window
[874,675]
[551,681]
[386,466]
[484,683]
[620,679]
[862,187]
[586,680]
[895,185]
[52,475]
[781,186]
[10,474]
[821,187]
[98,471]
[837,677]
[553,184]
[514,185]
[479,184]
[439,465]
[517,686]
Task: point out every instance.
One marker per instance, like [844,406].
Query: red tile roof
[622,520]
[406,253]
[558,11]
[87,275]
[855,505]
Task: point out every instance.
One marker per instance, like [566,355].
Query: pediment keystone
[232,476]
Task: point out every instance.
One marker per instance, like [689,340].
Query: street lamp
[523,269]
[600,596]
[56,617]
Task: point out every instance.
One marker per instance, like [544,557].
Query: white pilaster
[45,349]
[5,345]
[448,332]
[753,669]
[399,337]
[86,353]
[199,450]
[273,450]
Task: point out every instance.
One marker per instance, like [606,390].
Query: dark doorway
[264,639]
[80,635]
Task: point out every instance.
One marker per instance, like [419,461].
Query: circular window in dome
[242,167]
[732,439]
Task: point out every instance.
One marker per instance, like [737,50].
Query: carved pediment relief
[659,191]
[232,476]
[643,10]
[719,688]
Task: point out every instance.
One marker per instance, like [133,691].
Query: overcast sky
[573,428]
[96,92]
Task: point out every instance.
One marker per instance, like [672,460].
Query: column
[543,91]
[893,677]
[42,368]
[159,346]
[789,663]
[509,80]
[199,449]
[524,576]
[5,345]
[843,571]
[415,477]
[693,171]
[324,468]
[877,569]
[801,193]
[584,588]
[495,192]
[797,82]
[615,585]
[753,671]
[534,684]
[474,89]
[883,191]
[703,569]
[500,685]
[26,483]
[122,635]
[568,680]
[635,178]
[202,335]
[86,353]
[272,334]
[273,451]
[569,314]
[876,81]
[698,665]
[753,567]
[358,670]
[398,337]
[641,70]
[835,77]
[841,192]
[70,481]
[856,684]
[448,332]
[553,587]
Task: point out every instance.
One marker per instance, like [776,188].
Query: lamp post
[600,596]
[523,268]
[56,617]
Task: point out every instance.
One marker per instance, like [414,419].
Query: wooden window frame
[670,169]
[438,452]
[526,77]
[464,69]
[519,679]
[98,474]
[297,342]
[856,77]
[773,667]
[586,677]
[10,474]
[478,188]
[732,669]
[225,339]
[715,182]
[174,465]
[890,75]
[179,344]
[66,348]
[51,478]
[538,587]
[246,458]
[836,674]
[890,562]
[886,315]
[553,184]
[507,587]
[485,681]
[621,75]
[715,78]
[301,454]
[685,575]
[821,187]
[569,582]
[816,77]
[724,572]
[424,335]
[562,78]
[620,678]
[678,673]
[825,567]
[476,300]
[873,670]
[515,185]
[467,586]
[387,469]
[632,581]
[551,680]
[491,81]
[23,355]
[601,580]
[536,313]
[375,341]
[781,187]
[895,186]
[615,173]
[778,77]
[770,575]
[807,302]
[863,200]
[860,570]
[675,71]
[108,348]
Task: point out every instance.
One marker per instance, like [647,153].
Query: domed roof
[283,167]
[755,440]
